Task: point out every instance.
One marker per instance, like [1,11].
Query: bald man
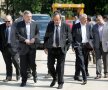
[9,48]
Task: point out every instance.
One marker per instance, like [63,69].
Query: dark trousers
[9,59]
[28,58]
[48,68]
[56,53]
[80,65]
[86,55]
[101,56]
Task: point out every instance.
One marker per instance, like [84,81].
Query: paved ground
[43,83]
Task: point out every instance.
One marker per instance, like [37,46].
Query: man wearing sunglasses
[9,48]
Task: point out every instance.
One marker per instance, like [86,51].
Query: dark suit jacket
[96,37]
[14,43]
[65,36]
[2,36]
[22,36]
[1,39]
[77,34]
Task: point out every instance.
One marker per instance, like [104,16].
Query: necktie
[6,33]
[57,37]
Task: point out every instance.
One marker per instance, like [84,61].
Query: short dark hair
[56,13]
[89,18]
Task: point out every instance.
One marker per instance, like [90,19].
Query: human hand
[32,40]
[27,41]
[46,51]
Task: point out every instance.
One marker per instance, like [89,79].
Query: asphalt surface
[43,83]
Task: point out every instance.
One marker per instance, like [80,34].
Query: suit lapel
[25,31]
[96,28]
[79,30]
[52,29]
[61,31]
[87,31]
[31,30]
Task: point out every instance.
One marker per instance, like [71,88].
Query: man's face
[83,20]
[57,19]
[8,21]
[99,20]
[27,18]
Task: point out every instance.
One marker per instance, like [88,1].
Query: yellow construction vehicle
[77,8]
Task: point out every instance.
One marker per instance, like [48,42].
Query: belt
[56,47]
[83,44]
[8,45]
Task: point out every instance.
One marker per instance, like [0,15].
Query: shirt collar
[82,24]
[102,24]
[28,23]
[8,27]
[59,24]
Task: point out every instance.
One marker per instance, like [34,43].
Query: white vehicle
[63,18]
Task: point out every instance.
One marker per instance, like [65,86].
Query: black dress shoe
[17,77]
[23,84]
[77,78]
[7,79]
[87,74]
[34,79]
[53,83]
[60,86]
[97,77]
[84,82]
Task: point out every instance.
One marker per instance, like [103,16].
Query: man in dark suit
[98,29]
[20,18]
[56,41]
[28,35]
[9,48]
[81,34]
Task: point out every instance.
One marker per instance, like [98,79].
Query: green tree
[46,6]
[93,7]
[13,7]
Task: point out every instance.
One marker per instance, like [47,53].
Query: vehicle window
[1,20]
[41,18]
[42,26]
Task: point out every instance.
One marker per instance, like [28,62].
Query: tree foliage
[45,6]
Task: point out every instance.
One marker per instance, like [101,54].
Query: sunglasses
[7,21]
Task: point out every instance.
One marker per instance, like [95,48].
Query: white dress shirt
[59,27]
[28,30]
[77,21]
[84,33]
[9,32]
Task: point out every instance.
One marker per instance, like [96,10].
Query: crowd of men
[19,40]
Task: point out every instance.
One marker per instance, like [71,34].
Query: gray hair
[83,15]
[26,12]
[99,16]
[56,13]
